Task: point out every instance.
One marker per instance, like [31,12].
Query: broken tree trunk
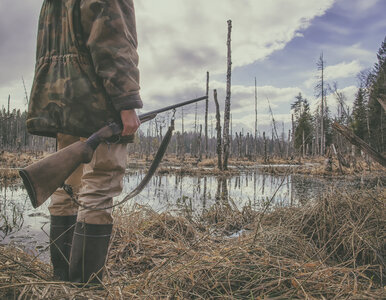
[218,129]
[199,158]
[255,140]
[226,138]
[265,147]
[356,141]
[382,103]
[339,157]
[206,114]
[182,135]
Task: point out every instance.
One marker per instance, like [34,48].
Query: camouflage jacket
[86,66]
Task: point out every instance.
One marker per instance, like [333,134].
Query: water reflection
[174,192]
[11,212]
[21,224]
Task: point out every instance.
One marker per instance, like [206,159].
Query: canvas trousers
[95,183]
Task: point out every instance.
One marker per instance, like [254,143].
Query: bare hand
[130,122]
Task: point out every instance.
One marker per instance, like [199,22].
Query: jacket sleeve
[110,34]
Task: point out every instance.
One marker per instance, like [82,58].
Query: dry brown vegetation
[8,176]
[333,248]
[19,160]
[317,167]
[10,162]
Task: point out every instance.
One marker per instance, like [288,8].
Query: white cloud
[357,51]
[365,5]
[338,71]
[243,97]
[166,26]
[243,104]
[343,70]
[350,93]
[180,40]
[16,90]
[18,26]
[357,7]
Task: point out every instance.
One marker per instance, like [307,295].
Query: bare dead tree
[355,140]
[231,136]
[218,129]
[227,99]
[195,118]
[382,103]
[321,93]
[238,141]
[156,129]
[265,148]
[293,133]
[25,91]
[289,143]
[199,145]
[274,127]
[206,114]
[182,135]
[255,142]
[148,141]
[248,146]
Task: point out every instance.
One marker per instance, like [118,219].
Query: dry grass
[19,160]
[8,176]
[194,171]
[333,248]
[11,161]
[317,168]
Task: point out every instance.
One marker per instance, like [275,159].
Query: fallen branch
[356,141]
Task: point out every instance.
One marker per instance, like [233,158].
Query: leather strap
[153,167]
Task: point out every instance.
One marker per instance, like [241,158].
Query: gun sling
[153,167]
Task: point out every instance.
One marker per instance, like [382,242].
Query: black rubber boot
[89,251]
[61,233]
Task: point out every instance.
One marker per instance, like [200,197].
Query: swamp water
[28,228]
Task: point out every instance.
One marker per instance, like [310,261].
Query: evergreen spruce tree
[303,123]
[358,121]
[377,116]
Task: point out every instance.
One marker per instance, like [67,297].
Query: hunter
[86,76]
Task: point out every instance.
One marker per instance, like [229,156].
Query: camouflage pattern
[86,66]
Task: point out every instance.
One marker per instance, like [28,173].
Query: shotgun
[44,177]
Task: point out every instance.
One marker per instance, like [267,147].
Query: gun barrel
[150,115]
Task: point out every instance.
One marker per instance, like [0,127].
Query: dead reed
[333,248]
[8,176]
[18,159]
[10,162]
[317,167]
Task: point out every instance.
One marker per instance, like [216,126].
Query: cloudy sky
[276,41]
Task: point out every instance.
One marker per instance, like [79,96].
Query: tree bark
[182,135]
[227,99]
[382,103]
[265,148]
[199,145]
[206,114]
[218,129]
[255,141]
[356,141]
